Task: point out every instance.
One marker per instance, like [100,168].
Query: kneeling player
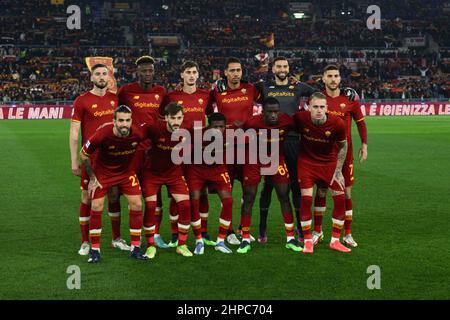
[271,119]
[116,144]
[320,162]
[164,172]
[216,175]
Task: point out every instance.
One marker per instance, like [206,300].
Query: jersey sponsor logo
[223,93]
[94,106]
[134,144]
[136,97]
[336,113]
[122,153]
[237,99]
[291,87]
[180,102]
[272,87]
[193,109]
[281,94]
[342,105]
[111,147]
[88,143]
[327,133]
[103,113]
[307,137]
[146,105]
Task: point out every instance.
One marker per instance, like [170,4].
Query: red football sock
[95,229]
[135,227]
[289,224]
[348,216]
[319,209]
[204,211]
[338,215]
[195,219]
[149,222]
[85,212]
[225,217]
[246,221]
[306,216]
[114,216]
[184,209]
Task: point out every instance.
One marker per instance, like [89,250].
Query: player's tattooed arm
[338,177]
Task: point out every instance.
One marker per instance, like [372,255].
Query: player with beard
[144,97]
[91,110]
[341,106]
[196,105]
[288,95]
[115,144]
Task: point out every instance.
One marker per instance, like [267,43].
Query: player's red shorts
[252,174]
[310,174]
[174,180]
[347,172]
[217,177]
[128,185]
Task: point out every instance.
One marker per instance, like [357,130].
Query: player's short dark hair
[144,59]
[98,65]
[317,95]
[189,64]
[216,116]
[122,108]
[280,58]
[231,60]
[330,67]
[270,100]
[173,108]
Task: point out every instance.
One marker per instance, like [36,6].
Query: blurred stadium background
[400,196]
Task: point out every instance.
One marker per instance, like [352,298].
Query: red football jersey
[114,153]
[196,105]
[284,125]
[318,142]
[160,154]
[345,109]
[92,111]
[236,104]
[142,102]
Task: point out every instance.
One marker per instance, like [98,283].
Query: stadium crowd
[41,59]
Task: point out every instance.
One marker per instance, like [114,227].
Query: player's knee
[97,205]
[135,204]
[348,192]
[85,197]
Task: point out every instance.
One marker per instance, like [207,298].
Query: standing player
[235,101]
[144,98]
[271,119]
[289,96]
[164,172]
[196,104]
[320,162]
[116,144]
[91,110]
[216,175]
[347,109]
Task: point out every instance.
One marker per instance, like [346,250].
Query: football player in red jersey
[144,97]
[114,145]
[266,125]
[235,101]
[323,148]
[347,108]
[196,105]
[91,110]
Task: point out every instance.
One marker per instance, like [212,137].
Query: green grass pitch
[401,222]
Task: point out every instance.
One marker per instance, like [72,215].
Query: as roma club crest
[327,133]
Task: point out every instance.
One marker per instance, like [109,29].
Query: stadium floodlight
[299,15]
